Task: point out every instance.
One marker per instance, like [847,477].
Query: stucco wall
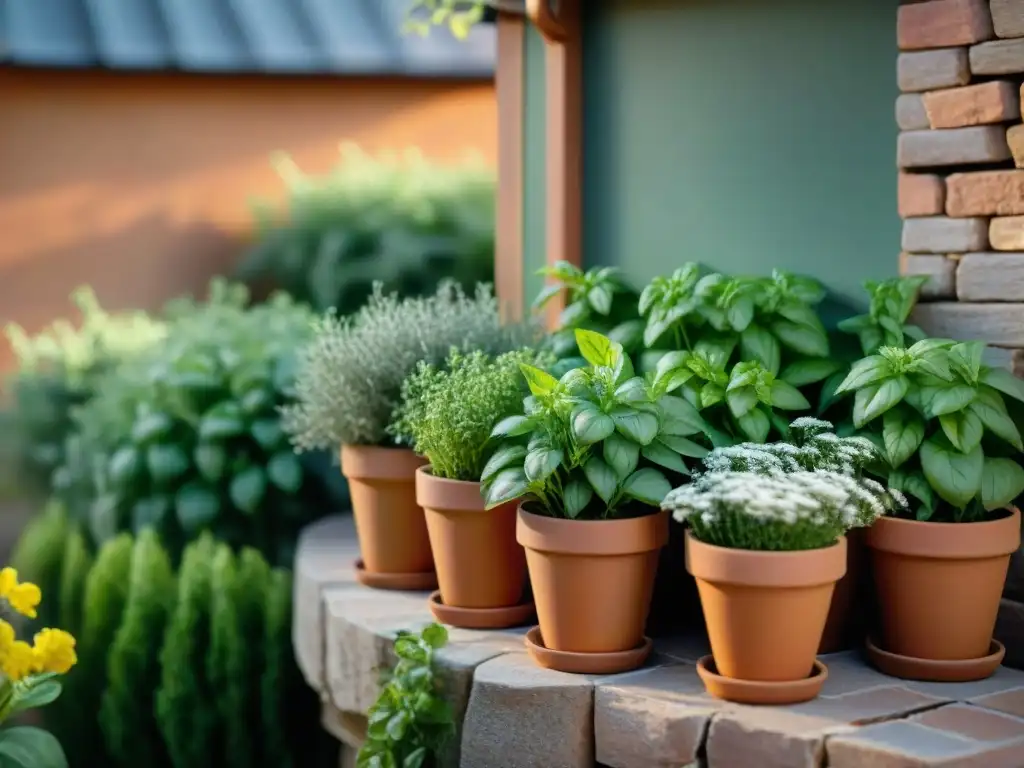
[138,184]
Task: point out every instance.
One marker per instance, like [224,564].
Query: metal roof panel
[130,33]
[277,36]
[205,35]
[49,32]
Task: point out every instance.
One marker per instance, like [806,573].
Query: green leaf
[196,506]
[865,371]
[124,466]
[1002,481]
[809,371]
[416,758]
[222,421]
[755,425]
[589,425]
[915,484]
[740,400]
[547,293]
[247,489]
[875,399]
[956,477]
[166,463]
[902,433]
[741,313]
[505,456]
[512,426]
[149,513]
[435,635]
[679,418]
[805,339]
[786,397]
[683,446]
[647,485]
[576,497]
[28,747]
[638,426]
[595,348]
[632,390]
[942,400]
[600,298]
[507,485]
[621,455]
[965,358]
[541,463]
[151,426]
[540,382]
[963,428]
[711,394]
[629,334]
[211,459]
[268,434]
[285,471]
[992,411]
[756,343]
[35,694]
[1005,382]
[829,389]
[256,401]
[659,453]
[601,478]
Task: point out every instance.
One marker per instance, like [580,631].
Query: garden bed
[513,713]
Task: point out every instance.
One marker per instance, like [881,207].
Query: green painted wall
[534,197]
[743,134]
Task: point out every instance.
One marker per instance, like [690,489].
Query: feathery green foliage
[127,710]
[284,698]
[77,563]
[449,412]
[38,555]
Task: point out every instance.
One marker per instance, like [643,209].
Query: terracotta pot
[845,626]
[391,527]
[479,563]
[765,611]
[592,579]
[939,584]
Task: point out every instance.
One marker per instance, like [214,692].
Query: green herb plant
[410,721]
[595,443]
[939,418]
[449,412]
[458,15]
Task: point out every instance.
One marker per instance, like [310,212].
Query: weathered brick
[998,324]
[1011,702]
[1008,17]
[940,234]
[909,744]
[1015,138]
[910,114]
[926,70]
[956,146]
[973,722]
[998,57]
[940,271]
[1006,233]
[990,277]
[985,193]
[921,194]
[942,23]
[994,102]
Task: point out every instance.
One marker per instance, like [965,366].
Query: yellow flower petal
[7,636]
[8,580]
[54,651]
[19,661]
[24,598]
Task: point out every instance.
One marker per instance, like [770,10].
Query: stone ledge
[514,714]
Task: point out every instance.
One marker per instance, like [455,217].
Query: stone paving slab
[513,714]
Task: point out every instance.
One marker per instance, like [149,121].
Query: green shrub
[77,562]
[186,436]
[38,556]
[127,710]
[403,221]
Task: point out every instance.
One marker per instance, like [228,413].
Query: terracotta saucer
[480,618]
[759,691]
[936,671]
[585,663]
[408,582]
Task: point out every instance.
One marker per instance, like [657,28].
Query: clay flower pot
[481,569]
[938,588]
[765,611]
[391,527]
[851,610]
[592,584]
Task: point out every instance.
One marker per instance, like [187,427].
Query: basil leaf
[683,446]
[248,489]
[866,371]
[915,484]
[595,348]
[942,400]
[505,456]
[632,391]
[875,399]
[902,433]
[660,454]
[196,506]
[1002,481]
[956,477]
[638,426]
[786,397]
[507,485]
[600,298]
[963,428]
[740,400]
[285,471]
[589,425]
[829,393]
[805,339]
[966,359]
[601,478]
[810,371]
[576,497]
[755,425]
[647,485]
[622,455]
[758,344]
[679,417]
[512,426]
[541,463]
[1005,382]
[992,411]
[540,382]
[711,394]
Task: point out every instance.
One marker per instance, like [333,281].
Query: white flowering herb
[778,511]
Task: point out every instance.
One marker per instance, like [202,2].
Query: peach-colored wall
[138,184]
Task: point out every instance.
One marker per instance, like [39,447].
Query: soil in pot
[480,565]
[390,524]
[592,579]
[939,584]
[765,611]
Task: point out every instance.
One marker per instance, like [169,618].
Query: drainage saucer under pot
[761,691]
[406,582]
[936,670]
[586,663]
[480,618]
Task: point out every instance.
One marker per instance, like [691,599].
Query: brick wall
[961,189]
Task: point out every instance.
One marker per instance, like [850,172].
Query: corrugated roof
[266,36]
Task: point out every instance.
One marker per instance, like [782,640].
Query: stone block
[943,23]
[997,57]
[973,722]
[955,146]
[990,277]
[1004,679]
[985,193]
[1008,17]
[920,194]
[1001,325]
[1011,702]
[1015,138]
[523,716]
[996,101]
[927,70]
[940,271]
[941,234]
[1010,632]
[910,114]
[1006,233]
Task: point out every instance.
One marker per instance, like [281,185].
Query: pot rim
[754,568]
[947,541]
[441,494]
[374,462]
[596,538]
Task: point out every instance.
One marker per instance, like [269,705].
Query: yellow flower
[23,597]
[19,660]
[54,651]
[7,637]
